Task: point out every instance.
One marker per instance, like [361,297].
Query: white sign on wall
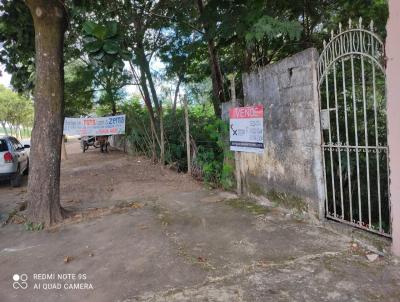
[95,126]
[246,131]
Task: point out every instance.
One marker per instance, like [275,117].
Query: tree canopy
[16,111]
[195,40]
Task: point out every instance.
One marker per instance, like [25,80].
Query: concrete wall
[292,161]
[393,108]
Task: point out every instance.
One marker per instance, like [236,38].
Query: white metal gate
[354,129]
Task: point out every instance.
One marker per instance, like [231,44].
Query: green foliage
[104,44]
[215,159]
[34,227]
[227,176]
[247,205]
[78,89]
[137,126]
[268,27]
[246,33]
[17,40]
[16,110]
[110,83]
[209,134]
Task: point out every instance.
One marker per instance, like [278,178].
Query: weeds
[35,227]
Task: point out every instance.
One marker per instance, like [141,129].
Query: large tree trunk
[146,97]
[176,95]
[147,100]
[151,83]
[145,69]
[143,90]
[44,177]
[216,74]
[113,104]
[217,78]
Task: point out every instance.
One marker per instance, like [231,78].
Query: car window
[3,145]
[16,144]
[12,142]
[19,143]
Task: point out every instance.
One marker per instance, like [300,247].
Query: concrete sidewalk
[198,245]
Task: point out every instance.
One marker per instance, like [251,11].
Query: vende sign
[246,129]
[247,112]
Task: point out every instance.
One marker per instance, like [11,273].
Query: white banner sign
[247,129]
[95,126]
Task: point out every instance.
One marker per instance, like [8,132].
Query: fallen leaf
[354,247]
[67,259]
[136,205]
[201,259]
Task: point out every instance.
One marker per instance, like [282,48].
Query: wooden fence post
[238,175]
[185,104]
[64,155]
[162,148]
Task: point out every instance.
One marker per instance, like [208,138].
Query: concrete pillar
[393,108]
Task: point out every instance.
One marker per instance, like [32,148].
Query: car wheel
[16,180]
[26,172]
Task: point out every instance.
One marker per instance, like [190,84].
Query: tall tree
[17,43]
[49,19]
[216,74]
[103,44]
[78,88]
[110,83]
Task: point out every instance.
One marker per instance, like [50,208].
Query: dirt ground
[141,233]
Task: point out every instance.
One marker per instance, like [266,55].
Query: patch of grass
[30,226]
[247,205]
[287,201]
[279,198]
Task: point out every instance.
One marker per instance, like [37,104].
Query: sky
[5,77]
[156,65]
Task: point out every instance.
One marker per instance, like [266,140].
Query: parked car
[14,160]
